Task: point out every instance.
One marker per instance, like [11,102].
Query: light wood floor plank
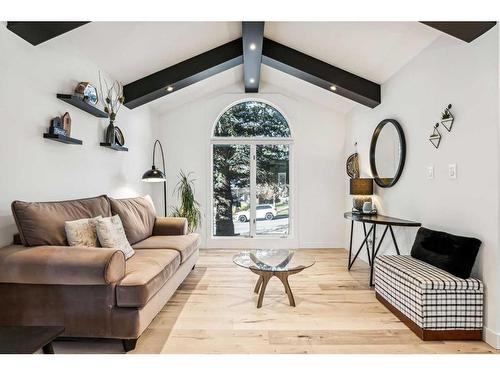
[214,311]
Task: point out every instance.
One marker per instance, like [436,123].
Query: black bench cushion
[454,254]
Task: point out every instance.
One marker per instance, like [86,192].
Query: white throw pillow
[82,232]
[111,234]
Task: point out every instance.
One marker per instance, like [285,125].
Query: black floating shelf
[62,138]
[84,106]
[114,146]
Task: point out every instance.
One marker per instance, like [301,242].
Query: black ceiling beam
[320,73]
[253,36]
[466,31]
[183,74]
[40,31]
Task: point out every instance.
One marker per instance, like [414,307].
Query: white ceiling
[372,50]
[131,50]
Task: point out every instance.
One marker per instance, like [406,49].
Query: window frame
[253,142]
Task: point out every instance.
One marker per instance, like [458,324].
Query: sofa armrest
[61,265]
[170,226]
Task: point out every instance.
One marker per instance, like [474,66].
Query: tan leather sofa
[93,292]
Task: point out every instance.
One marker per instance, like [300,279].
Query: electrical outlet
[452,171]
[430,172]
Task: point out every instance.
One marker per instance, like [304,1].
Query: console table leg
[361,248]
[350,245]
[394,240]
[374,238]
[367,247]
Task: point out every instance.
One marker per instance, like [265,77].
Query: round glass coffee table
[269,263]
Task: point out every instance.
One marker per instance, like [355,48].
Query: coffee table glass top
[274,260]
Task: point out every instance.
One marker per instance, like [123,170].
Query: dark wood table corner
[28,339]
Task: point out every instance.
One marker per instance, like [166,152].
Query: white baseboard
[492,338]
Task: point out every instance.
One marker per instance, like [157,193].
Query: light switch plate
[452,171]
[430,172]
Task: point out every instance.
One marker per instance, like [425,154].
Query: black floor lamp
[155,175]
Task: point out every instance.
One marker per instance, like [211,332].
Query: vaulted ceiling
[132,50]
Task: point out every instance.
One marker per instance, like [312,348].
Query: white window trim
[289,240]
[291,206]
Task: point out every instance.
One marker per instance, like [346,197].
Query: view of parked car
[263,211]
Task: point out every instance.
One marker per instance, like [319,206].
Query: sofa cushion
[42,223]
[137,215]
[454,254]
[146,273]
[186,245]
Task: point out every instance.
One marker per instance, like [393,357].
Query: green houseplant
[189,206]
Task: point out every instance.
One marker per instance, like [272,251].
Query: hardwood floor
[214,312]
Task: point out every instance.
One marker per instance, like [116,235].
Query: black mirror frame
[402,157]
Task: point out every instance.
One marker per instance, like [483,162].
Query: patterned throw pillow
[111,234]
[82,232]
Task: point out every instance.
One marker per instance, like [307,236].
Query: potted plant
[189,207]
[113,101]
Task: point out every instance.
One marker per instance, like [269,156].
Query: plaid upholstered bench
[433,303]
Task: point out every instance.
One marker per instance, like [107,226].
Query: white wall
[34,169]
[465,75]
[318,154]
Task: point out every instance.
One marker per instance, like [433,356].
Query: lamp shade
[361,186]
[154,175]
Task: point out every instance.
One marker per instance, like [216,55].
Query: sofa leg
[192,269]
[129,344]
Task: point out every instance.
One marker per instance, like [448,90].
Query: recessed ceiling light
[170,89]
[333,87]
[253,46]
[252,80]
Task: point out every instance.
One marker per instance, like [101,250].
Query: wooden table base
[265,276]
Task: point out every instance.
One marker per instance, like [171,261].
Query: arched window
[252,119]
[251,148]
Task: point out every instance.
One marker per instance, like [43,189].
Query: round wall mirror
[387,153]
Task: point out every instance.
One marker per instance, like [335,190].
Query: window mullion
[253,189]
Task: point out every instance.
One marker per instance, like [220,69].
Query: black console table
[389,222]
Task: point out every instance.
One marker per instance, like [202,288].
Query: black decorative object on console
[361,188]
[156,175]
